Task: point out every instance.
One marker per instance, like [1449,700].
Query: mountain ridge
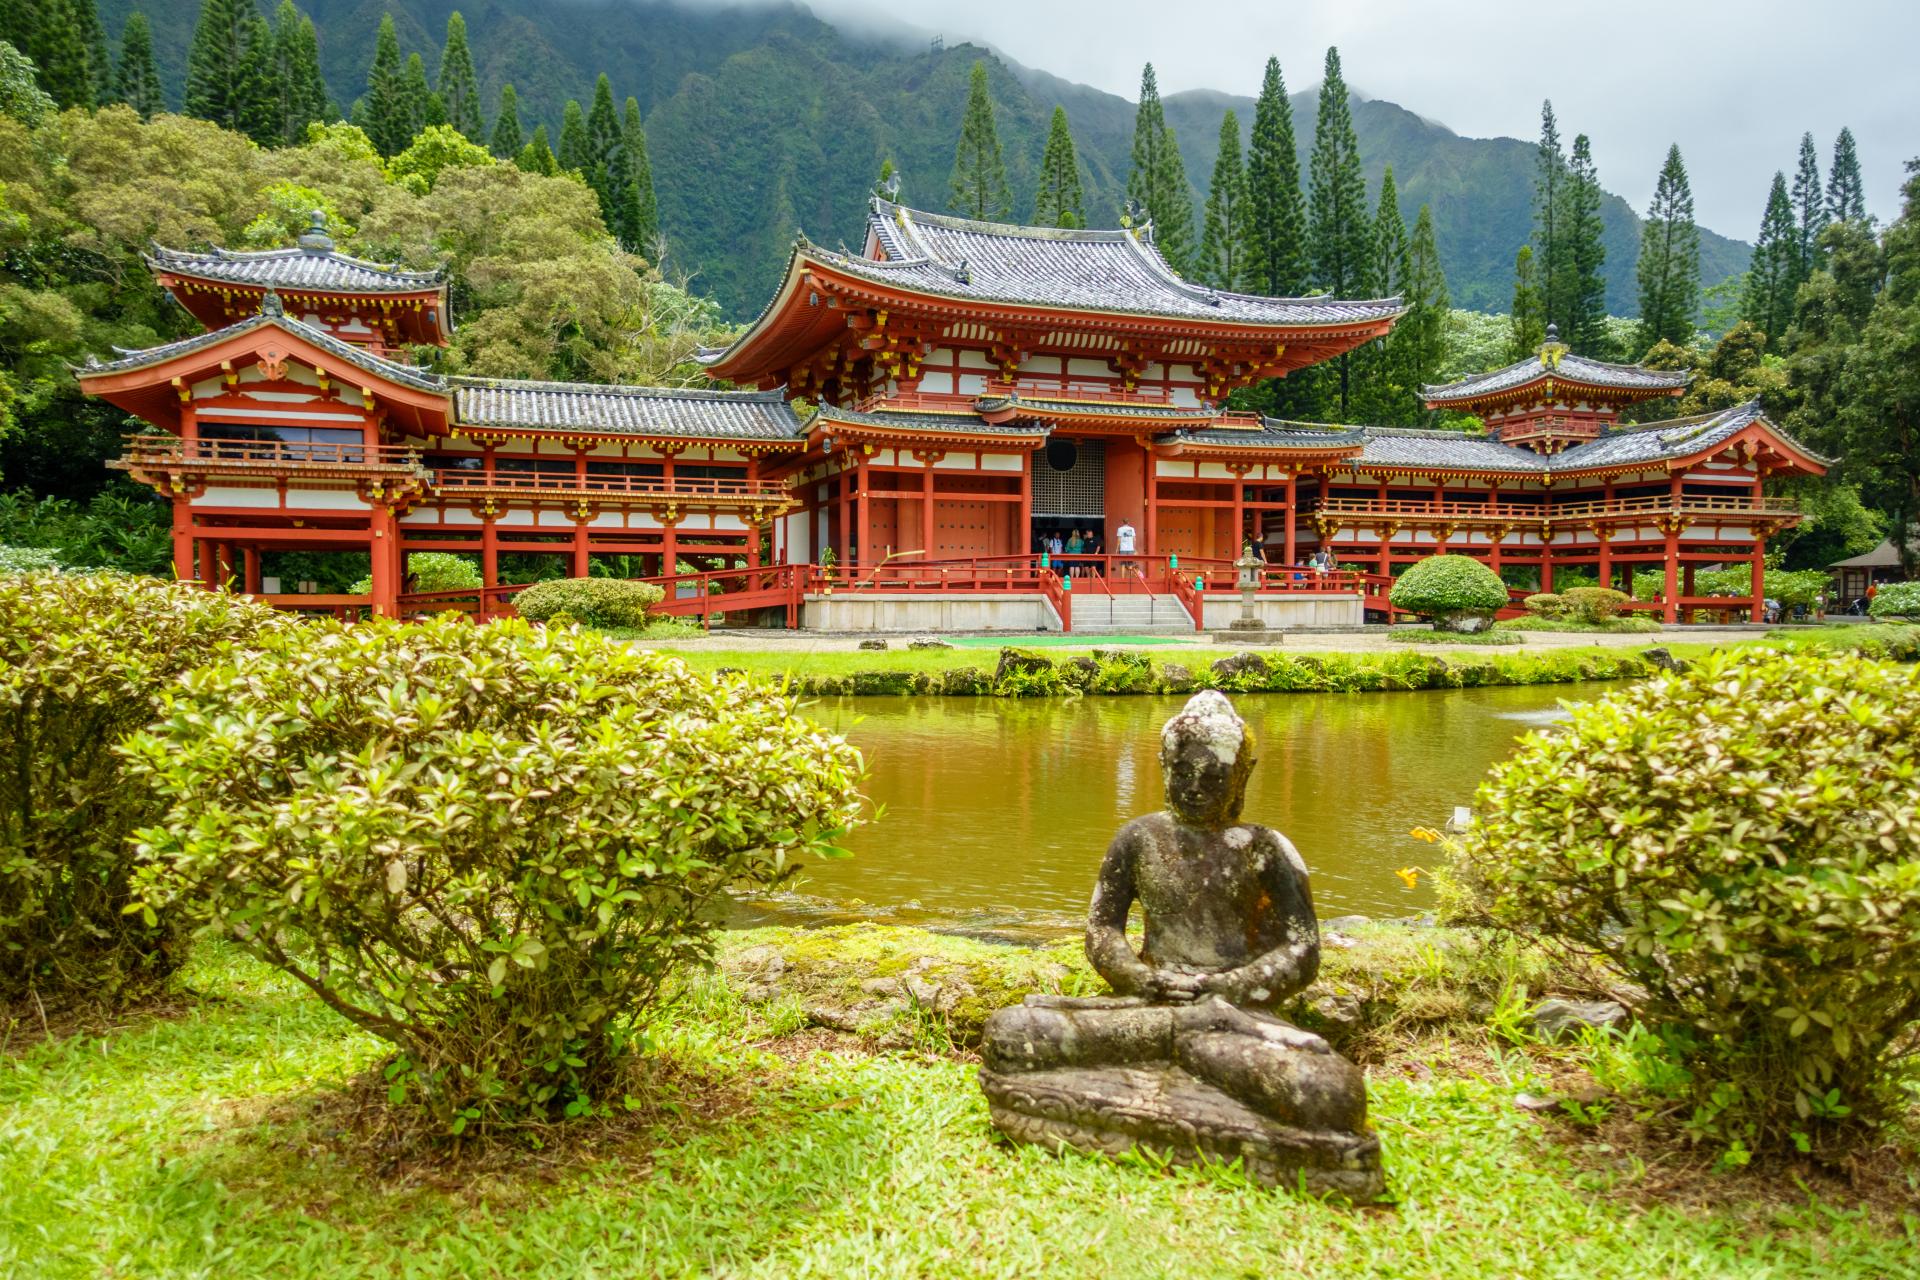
[765,120]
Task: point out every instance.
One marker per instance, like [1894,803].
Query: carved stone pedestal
[1112,1110]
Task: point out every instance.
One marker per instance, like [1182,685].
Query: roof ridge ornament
[270,304]
[315,238]
[1552,350]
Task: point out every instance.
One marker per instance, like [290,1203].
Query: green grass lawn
[219,1138]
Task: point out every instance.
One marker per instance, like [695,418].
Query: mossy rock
[1020,661]
[1079,673]
[881,683]
[965,682]
[1177,677]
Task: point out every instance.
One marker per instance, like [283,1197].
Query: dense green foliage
[1222,259]
[979,182]
[122,528]
[1157,182]
[1059,201]
[1592,604]
[1740,844]
[597,602]
[1896,600]
[1442,587]
[1669,266]
[1775,276]
[487,846]
[85,659]
[1339,234]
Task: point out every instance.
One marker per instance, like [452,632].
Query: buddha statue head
[1206,757]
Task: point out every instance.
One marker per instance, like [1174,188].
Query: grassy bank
[1056,672]
[235,1133]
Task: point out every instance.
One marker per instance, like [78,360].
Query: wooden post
[1239,518]
[864,546]
[1151,543]
[381,543]
[843,509]
[1759,577]
[250,575]
[581,565]
[926,513]
[1670,596]
[1023,536]
[209,572]
[1293,551]
[184,566]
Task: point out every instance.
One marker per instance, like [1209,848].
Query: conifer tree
[537,156]
[230,71]
[1810,206]
[573,154]
[416,97]
[1549,205]
[385,105]
[979,182]
[1380,393]
[1158,181]
[93,35]
[1058,203]
[1846,194]
[1772,275]
[302,91]
[1422,333]
[1223,241]
[56,40]
[607,169]
[1528,321]
[1389,265]
[435,112]
[458,87]
[1669,268]
[136,81]
[1583,324]
[646,209]
[1338,229]
[1276,222]
[508,137]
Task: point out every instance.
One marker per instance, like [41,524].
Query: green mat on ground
[1055,641]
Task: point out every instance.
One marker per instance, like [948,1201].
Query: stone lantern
[1249,567]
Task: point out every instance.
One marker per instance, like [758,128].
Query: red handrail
[645,486]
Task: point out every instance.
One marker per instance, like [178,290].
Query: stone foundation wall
[1277,612]
[927,611]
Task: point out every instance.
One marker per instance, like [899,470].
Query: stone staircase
[1096,613]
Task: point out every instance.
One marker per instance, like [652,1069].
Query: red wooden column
[863,547]
[382,542]
[1604,532]
[489,557]
[1239,517]
[1292,552]
[250,573]
[1494,538]
[1759,577]
[581,564]
[1151,494]
[1671,595]
[1024,537]
[184,566]
[209,570]
[926,513]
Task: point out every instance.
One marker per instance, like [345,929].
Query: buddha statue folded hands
[1187,1058]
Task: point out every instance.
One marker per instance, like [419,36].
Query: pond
[994,806]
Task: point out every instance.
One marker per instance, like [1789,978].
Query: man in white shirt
[1123,539]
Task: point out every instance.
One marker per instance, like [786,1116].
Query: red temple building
[969,391]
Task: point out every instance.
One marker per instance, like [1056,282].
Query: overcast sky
[1734,82]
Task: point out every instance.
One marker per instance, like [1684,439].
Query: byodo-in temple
[927,414]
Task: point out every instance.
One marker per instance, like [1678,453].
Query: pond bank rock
[1557,1019]
[1023,661]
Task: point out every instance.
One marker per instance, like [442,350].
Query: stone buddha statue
[1188,1060]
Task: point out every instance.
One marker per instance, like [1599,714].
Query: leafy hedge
[1447,586]
[597,602]
[487,846]
[1594,604]
[433,571]
[86,659]
[1740,843]
[1896,600]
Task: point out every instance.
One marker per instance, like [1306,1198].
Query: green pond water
[995,807]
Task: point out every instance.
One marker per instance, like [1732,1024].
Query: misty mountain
[763,120]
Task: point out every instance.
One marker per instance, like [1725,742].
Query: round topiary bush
[487,846]
[84,661]
[1593,605]
[1740,843]
[1457,592]
[1546,604]
[597,602]
[1896,600]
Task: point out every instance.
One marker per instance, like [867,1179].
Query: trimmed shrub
[1457,592]
[1896,600]
[597,602]
[1739,842]
[19,560]
[87,659]
[1546,604]
[487,846]
[1595,604]
[433,571]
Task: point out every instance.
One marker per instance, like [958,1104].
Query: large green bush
[487,846]
[87,658]
[1455,591]
[1546,604]
[1741,844]
[598,602]
[1896,600]
[1594,604]
[432,571]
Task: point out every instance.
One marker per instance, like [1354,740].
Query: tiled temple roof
[651,411]
[404,374]
[1114,271]
[1553,361]
[1447,450]
[1273,434]
[930,421]
[1040,406]
[304,268]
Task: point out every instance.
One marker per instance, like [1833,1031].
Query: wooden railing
[1687,504]
[651,488]
[291,455]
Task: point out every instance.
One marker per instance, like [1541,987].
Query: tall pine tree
[1158,180]
[1549,207]
[1846,194]
[608,170]
[53,35]
[1338,229]
[1810,207]
[1276,221]
[507,137]
[458,87]
[573,153]
[979,181]
[646,209]
[1381,393]
[1223,240]
[230,71]
[1527,318]
[302,91]
[1058,202]
[1417,347]
[1669,268]
[136,81]
[417,99]
[1772,275]
[537,156]
[1389,242]
[93,34]
[1584,322]
[257,90]
[385,105]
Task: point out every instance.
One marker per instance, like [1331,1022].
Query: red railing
[636,486]
[171,451]
[1598,508]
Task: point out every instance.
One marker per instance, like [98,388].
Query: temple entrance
[1070,496]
